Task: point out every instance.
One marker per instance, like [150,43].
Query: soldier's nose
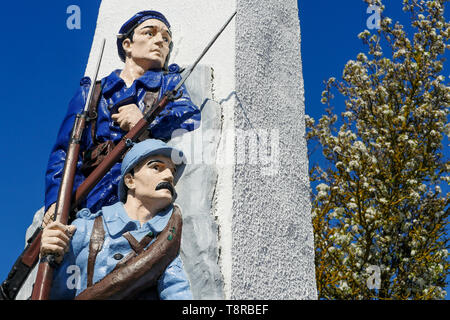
[158,38]
[169,177]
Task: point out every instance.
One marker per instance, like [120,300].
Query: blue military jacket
[70,278]
[179,114]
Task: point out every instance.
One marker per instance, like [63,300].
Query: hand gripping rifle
[26,261]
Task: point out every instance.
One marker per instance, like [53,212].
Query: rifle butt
[42,286]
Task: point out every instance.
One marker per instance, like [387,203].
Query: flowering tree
[379,213]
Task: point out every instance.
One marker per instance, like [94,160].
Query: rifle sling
[92,111]
[95,245]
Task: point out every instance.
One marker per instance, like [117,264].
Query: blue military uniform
[69,281]
[179,114]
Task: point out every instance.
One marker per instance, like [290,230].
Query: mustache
[168,186]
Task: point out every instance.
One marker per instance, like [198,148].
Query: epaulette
[85,81]
[174,68]
[87,214]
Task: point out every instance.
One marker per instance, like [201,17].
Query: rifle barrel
[189,71]
[97,68]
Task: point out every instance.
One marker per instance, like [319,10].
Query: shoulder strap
[92,111]
[149,99]
[95,245]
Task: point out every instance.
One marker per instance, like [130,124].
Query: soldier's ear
[128,180]
[126,45]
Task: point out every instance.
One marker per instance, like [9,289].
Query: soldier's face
[150,45]
[152,181]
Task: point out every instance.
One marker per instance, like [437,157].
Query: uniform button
[118,256]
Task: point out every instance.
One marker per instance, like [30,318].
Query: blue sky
[43,61]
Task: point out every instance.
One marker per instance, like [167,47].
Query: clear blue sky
[43,61]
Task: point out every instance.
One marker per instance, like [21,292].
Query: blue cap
[145,149]
[133,22]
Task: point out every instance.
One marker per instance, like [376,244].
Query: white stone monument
[247,230]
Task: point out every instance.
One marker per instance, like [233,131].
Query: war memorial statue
[147,91]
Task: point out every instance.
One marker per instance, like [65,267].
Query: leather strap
[95,245]
[92,111]
[137,247]
[134,244]
[149,99]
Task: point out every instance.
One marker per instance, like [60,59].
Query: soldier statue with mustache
[129,250]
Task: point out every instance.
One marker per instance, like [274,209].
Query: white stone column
[272,251]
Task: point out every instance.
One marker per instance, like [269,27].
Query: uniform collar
[112,81]
[152,79]
[118,222]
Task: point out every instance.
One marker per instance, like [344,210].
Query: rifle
[12,285]
[42,286]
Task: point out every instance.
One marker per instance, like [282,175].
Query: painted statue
[144,43]
[129,249]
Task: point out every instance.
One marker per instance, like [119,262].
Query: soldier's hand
[127,116]
[55,239]
[48,216]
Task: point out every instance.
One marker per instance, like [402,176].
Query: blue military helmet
[133,22]
[145,149]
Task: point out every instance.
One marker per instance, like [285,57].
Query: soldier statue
[128,250]
[144,43]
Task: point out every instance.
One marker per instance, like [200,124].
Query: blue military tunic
[179,114]
[70,278]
